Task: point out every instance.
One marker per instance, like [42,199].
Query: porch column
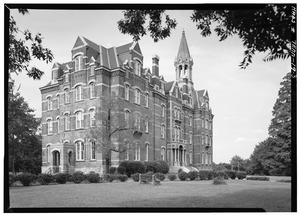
[176,157]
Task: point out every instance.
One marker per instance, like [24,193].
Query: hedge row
[258,178]
[209,175]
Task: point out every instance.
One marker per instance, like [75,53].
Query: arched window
[79,63]
[137,151]
[67,121]
[79,93]
[126,92]
[147,100]
[92,118]
[137,96]
[127,116]
[163,130]
[191,137]
[79,119]
[49,101]
[67,96]
[137,68]
[146,126]
[163,151]
[163,111]
[79,151]
[92,89]
[147,152]
[50,126]
[93,151]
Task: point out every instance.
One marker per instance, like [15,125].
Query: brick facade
[178,117]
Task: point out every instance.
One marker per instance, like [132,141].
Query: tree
[20,54]
[273,156]
[24,143]
[239,164]
[266,29]
[109,124]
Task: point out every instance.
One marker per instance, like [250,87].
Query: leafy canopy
[262,30]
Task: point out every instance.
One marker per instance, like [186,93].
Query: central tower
[183,65]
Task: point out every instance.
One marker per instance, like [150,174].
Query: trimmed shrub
[180,170]
[110,177]
[133,167]
[135,177]
[78,177]
[121,170]
[212,175]
[160,176]
[12,179]
[258,178]
[203,174]
[62,178]
[183,176]
[231,174]
[45,179]
[122,178]
[241,175]
[112,170]
[26,178]
[193,175]
[172,177]
[152,166]
[164,167]
[93,177]
[219,180]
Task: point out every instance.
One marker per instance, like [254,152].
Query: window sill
[80,160]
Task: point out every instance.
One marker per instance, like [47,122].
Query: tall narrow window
[92,89]
[137,122]
[50,126]
[49,100]
[137,151]
[203,122]
[203,158]
[162,155]
[191,122]
[127,115]
[191,138]
[67,96]
[57,119]
[202,139]
[92,70]
[79,92]
[163,111]
[191,157]
[67,121]
[137,96]
[57,100]
[67,76]
[78,63]
[48,153]
[127,150]
[146,126]
[127,92]
[79,150]
[147,100]
[79,119]
[147,152]
[137,68]
[163,130]
[93,151]
[92,118]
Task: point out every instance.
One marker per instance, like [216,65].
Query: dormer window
[67,76]
[137,68]
[79,63]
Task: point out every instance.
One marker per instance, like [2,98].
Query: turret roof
[183,51]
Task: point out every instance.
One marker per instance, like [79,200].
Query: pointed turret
[183,64]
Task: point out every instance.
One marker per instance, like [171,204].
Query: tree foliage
[24,142]
[273,156]
[20,53]
[262,30]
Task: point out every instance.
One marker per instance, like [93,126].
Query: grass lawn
[272,196]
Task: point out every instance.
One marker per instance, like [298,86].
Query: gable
[136,47]
[79,42]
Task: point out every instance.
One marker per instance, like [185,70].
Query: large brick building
[173,120]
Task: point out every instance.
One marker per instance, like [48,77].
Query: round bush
[26,178]
[160,176]
[62,178]
[112,170]
[110,177]
[241,175]
[93,177]
[45,179]
[135,177]
[78,177]
[133,167]
[180,170]
[219,180]
[172,177]
[204,175]
[231,174]
[122,178]
[164,167]
[121,170]
[183,176]
[152,166]
[193,175]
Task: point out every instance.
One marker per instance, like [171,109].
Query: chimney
[155,65]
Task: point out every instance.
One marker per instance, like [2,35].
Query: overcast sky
[241,100]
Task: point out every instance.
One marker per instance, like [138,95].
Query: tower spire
[183,51]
